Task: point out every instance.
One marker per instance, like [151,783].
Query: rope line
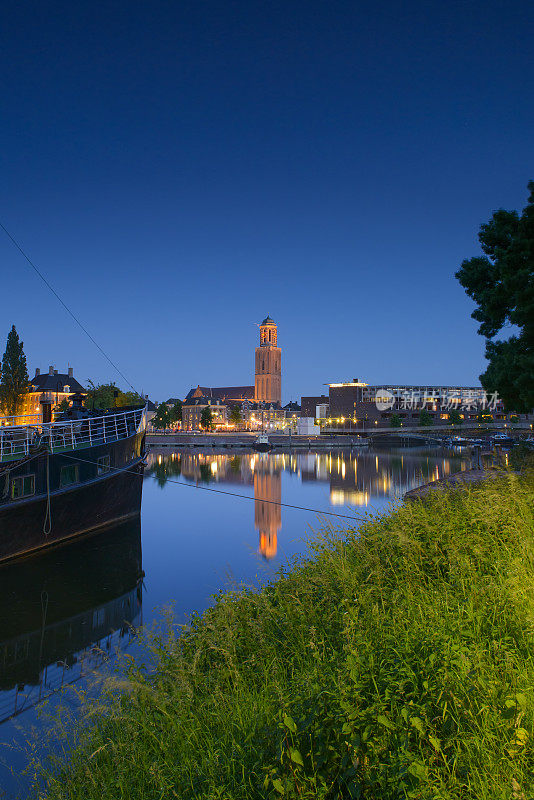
[65,306]
[230,494]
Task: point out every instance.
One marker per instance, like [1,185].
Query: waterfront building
[225,394]
[359,404]
[268,365]
[192,413]
[259,416]
[309,404]
[48,389]
[266,392]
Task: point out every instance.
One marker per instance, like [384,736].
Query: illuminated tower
[268,384]
[267,516]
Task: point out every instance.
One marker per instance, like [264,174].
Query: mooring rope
[47,524]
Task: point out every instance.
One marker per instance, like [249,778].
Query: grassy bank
[395,662]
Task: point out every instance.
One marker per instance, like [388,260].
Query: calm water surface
[65,612]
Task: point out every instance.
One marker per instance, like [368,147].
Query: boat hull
[94,502]
[262,448]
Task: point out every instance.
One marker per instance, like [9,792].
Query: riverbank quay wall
[392,437]
[397,655]
[246,440]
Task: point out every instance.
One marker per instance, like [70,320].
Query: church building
[267,387]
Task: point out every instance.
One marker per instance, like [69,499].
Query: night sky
[179,170]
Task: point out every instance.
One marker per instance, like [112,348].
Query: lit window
[68,475]
[22,486]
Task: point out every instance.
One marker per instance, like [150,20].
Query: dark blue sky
[181,169]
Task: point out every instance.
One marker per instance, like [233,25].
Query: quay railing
[17,441]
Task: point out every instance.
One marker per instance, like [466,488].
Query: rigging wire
[221,491]
[65,306]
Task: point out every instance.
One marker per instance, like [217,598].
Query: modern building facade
[358,404]
[268,364]
[309,404]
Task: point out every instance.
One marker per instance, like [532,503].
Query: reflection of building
[268,364]
[268,515]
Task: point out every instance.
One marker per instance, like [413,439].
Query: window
[102,465]
[68,475]
[22,486]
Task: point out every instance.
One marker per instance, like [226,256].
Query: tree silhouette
[14,380]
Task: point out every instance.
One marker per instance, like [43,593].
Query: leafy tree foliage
[395,421]
[162,417]
[108,395]
[175,413]
[206,419]
[501,282]
[14,380]
[454,417]
[425,417]
[235,415]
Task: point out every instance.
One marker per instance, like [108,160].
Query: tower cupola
[268,332]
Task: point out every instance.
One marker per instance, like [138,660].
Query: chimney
[55,372]
[37,371]
[51,369]
[70,372]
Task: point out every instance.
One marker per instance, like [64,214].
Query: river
[210,520]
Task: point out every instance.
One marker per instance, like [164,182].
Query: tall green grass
[396,661]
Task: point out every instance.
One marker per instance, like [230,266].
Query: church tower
[268,384]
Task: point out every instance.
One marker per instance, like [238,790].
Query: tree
[63,406]
[108,395]
[454,417]
[14,380]
[395,421]
[206,419]
[425,417]
[235,416]
[175,413]
[161,418]
[501,282]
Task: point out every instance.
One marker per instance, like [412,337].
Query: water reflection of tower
[267,515]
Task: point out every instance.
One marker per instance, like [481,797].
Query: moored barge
[62,479]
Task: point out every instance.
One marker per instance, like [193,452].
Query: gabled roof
[292,406]
[55,383]
[222,393]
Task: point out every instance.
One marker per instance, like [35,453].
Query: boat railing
[21,419]
[17,441]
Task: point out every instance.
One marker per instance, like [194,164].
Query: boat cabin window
[68,475]
[103,465]
[22,486]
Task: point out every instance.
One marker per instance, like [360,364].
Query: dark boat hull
[94,502]
[262,448]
